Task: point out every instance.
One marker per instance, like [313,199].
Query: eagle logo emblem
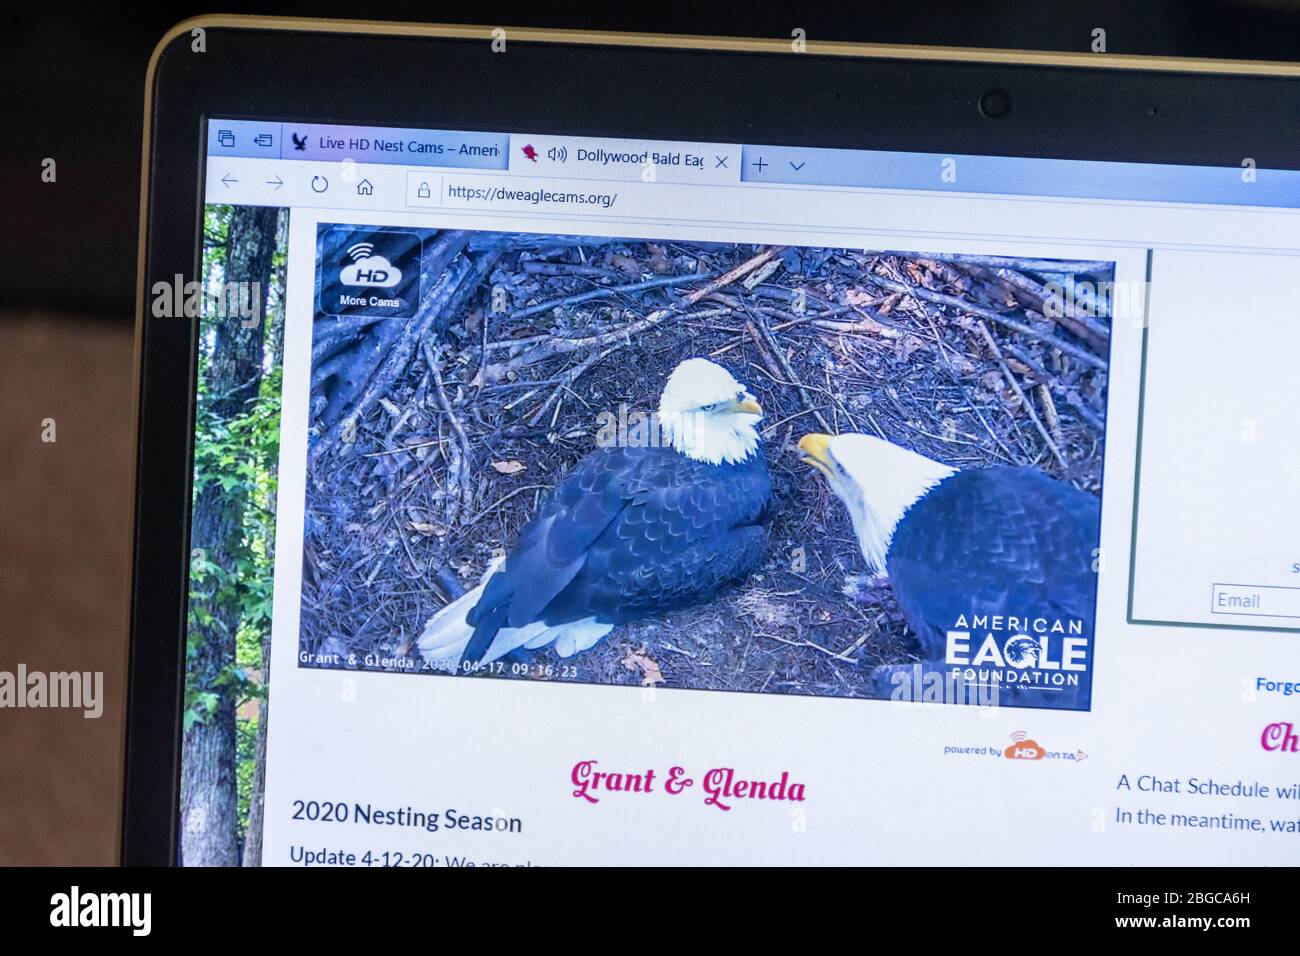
[1022,652]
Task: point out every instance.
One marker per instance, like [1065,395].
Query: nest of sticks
[434,441]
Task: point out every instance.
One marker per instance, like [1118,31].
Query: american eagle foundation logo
[1043,653]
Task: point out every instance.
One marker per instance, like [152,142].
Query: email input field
[1255,600]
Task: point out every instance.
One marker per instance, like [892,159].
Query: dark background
[73,82]
[72,88]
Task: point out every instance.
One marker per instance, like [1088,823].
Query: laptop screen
[564,500]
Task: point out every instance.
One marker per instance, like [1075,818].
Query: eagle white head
[877,481]
[707,415]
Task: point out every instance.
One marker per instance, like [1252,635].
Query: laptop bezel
[1074,106]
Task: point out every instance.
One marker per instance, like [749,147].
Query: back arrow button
[227,179]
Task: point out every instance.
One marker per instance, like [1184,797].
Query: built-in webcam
[995,104]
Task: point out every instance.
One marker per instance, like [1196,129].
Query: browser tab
[408,147]
[626,159]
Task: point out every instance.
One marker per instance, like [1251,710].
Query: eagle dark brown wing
[630,530]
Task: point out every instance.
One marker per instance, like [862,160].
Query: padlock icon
[423,191]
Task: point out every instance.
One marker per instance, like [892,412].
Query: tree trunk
[209,802]
[275,346]
[257,799]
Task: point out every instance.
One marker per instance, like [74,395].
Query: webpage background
[386,544]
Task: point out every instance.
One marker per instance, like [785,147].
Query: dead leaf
[860,297]
[509,467]
[891,301]
[660,264]
[919,275]
[625,264]
[906,346]
[638,660]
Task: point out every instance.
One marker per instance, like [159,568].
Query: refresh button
[319,184]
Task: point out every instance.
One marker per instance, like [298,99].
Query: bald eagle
[665,521]
[963,546]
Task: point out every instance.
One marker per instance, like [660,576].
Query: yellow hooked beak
[815,450]
[746,406]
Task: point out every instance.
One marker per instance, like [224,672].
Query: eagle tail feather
[568,638]
[475,628]
[448,632]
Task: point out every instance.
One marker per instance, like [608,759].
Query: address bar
[937,214]
[502,194]
[639,200]
[627,199]
[511,195]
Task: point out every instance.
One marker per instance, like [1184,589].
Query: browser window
[571,500]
